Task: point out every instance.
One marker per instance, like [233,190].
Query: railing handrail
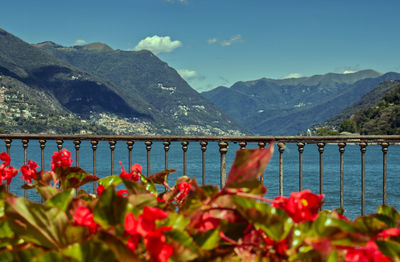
[288,139]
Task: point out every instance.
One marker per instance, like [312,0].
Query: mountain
[368,100]
[149,106]
[140,75]
[382,118]
[290,106]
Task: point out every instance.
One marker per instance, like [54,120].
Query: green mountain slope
[368,100]
[155,101]
[143,75]
[383,118]
[290,106]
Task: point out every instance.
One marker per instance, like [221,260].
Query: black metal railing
[223,143]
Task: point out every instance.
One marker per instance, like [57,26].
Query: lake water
[331,185]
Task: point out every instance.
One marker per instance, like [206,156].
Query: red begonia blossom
[369,253]
[7,172]
[29,171]
[207,222]
[61,159]
[390,232]
[145,227]
[84,217]
[183,189]
[133,175]
[280,247]
[300,206]
[122,193]
[100,189]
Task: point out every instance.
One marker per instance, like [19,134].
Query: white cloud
[80,42]
[348,72]
[212,40]
[227,42]
[292,75]
[187,74]
[158,44]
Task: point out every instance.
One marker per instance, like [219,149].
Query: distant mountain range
[127,92]
[291,106]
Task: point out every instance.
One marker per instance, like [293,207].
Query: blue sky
[220,42]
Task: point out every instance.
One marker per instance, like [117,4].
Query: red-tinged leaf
[249,165]
[34,222]
[75,180]
[44,178]
[161,177]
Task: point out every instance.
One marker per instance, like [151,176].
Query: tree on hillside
[348,125]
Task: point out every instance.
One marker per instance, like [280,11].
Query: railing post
[321,167]
[184,149]
[112,148]
[300,147]
[261,144]
[166,149]
[203,145]
[8,149]
[341,150]
[148,148]
[242,144]
[94,148]
[281,149]
[77,146]
[42,143]
[385,148]
[130,147]
[59,144]
[223,149]
[25,146]
[363,149]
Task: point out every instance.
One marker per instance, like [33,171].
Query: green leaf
[388,214]
[5,230]
[110,208]
[208,240]
[51,257]
[161,177]
[249,165]
[182,237]
[121,252]
[89,251]
[273,221]
[47,192]
[389,248]
[141,200]
[177,221]
[333,256]
[61,200]
[134,187]
[369,225]
[149,186]
[42,225]
[110,180]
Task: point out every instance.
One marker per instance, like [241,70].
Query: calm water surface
[331,183]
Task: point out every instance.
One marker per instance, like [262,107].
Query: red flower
[133,175]
[145,226]
[122,193]
[206,222]
[29,171]
[390,232]
[7,172]
[100,189]
[368,253]
[183,189]
[280,247]
[300,206]
[84,217]
[61,159]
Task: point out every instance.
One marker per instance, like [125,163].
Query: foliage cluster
[187,222]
